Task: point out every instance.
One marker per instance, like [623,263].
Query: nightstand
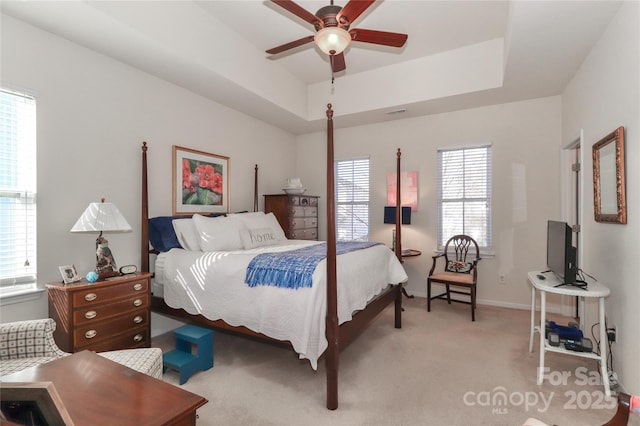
[102,316]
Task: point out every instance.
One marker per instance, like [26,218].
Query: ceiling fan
[332,30]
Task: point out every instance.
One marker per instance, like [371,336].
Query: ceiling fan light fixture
[332,40]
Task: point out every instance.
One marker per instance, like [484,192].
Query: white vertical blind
[464,194]
[17,190]
[352,199]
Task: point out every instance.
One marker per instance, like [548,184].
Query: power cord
[613,382]
[581,273]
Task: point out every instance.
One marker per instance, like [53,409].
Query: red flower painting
[202,183]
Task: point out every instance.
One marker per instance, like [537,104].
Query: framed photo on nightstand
[69,274]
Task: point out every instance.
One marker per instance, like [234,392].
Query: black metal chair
[457,272]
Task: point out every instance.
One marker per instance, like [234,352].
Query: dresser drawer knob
[137,302]
[138,338]
[90,334]
[90,297]
[137,286]
[90,314]
[137,319]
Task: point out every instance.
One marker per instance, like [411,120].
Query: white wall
[526,142]
[93,114]
[603,95]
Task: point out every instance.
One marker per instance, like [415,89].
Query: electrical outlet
[612,334]
[501,278]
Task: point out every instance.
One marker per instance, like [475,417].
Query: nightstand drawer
[302,223]
[90,314]
[94,296]
[133,338]
[303,212]
[90,333]
[305,234]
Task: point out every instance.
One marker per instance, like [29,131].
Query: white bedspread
[212,284]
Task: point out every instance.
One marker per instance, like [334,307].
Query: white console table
[548,285]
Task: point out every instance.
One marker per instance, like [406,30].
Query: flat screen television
[561,254]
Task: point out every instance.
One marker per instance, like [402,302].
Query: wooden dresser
[102,316]
[297,214]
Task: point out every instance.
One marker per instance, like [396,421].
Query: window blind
[464,194]
[17,191]
[352,199]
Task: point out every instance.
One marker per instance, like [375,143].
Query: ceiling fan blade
[298,10]
[290,45]
[337,62]
[378,37]
[352,10]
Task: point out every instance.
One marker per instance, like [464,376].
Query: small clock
[128,269]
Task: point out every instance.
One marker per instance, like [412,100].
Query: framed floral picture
[200,182]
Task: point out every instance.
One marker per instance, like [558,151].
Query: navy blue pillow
[161,233]
[162,236]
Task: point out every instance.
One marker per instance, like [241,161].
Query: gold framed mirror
[609,178]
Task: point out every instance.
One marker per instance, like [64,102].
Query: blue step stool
[182,359]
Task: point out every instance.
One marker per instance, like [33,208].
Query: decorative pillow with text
[252,238]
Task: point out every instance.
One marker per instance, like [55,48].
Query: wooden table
[409,253]
[95,390]
[549,283]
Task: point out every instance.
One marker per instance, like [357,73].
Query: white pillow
[273,223]
[257,220]
[187,234]
[249,220]
[252,238]
[218,233]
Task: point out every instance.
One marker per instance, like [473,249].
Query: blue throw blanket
[294,269]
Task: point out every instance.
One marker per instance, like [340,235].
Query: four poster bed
[311,312]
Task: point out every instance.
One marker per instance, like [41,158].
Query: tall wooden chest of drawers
[102,316]
[297,214]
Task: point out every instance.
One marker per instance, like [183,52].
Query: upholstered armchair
[25,344]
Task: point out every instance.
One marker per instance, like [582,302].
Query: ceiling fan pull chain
[331,63]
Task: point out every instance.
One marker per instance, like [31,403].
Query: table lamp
[390,217]
[102,217]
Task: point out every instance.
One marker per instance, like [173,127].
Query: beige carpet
[439,369]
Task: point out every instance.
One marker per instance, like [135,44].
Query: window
[464,195]
[352,199]
[17,192]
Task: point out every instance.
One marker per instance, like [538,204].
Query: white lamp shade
[100,217]
[332,40]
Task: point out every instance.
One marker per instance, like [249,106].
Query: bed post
[255,189]
[144,219]
[398,299]
[398,209]
[333,349]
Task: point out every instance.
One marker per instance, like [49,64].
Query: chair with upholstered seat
[460,270]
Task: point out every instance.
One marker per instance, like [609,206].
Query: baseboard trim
[503,304]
